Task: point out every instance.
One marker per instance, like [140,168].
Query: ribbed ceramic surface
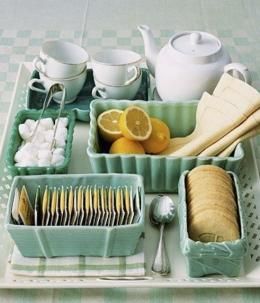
[161,173]
[51,241]
[15,141]
[223,258]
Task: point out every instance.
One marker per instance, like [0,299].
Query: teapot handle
[239,69]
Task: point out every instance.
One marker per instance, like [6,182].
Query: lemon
[135,124]
[159,138]
[108,124]
[126,146]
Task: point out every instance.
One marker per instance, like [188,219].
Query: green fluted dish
[161,173]
[15,141]
[51,241]
[225,258]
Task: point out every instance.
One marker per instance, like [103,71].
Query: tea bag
[70,205]
[57,212]
[109,206]
[45,204]
[63,206]
[14,212]
[48,213]
[122,207]
[88,206]
[25,211]
[75,207]
[96,205]
[106,211]
[53,206]
[81,211]
[118,205]
[37,207]
[137,205]
[127,204]
[131,202]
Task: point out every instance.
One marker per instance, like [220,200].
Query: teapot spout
[150,48]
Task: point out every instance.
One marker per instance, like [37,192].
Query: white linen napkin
[133,265]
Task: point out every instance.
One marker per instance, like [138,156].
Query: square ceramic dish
[15,141]
[82,103]
[161,173]
[225,258]
[51,241]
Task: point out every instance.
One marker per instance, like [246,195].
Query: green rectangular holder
[161,173]
[202,259]
[15,141]
[52,241]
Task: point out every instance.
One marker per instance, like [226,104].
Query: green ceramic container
[15,141]
[225,258]
[161,173]
[51,241]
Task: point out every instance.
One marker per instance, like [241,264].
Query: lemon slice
[135,124]
[108,125]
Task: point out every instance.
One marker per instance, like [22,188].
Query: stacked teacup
[117,74]
[60,62]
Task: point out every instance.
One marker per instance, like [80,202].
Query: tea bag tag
[44,204]
[14,212]
[137,205]
[25,211]
[96,205]
[53,207]
[89,205]
[122,207]
[70,206]
[48,210]
[81,206]
[127,204]
[37,209]
[131,201]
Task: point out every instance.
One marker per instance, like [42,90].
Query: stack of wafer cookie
[211,205]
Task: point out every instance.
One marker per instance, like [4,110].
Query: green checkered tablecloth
[113,24]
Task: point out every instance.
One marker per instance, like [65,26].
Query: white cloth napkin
[133,265]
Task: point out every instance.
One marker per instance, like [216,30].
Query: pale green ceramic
[161,173]
[15,141]
[82,103]
[51,241]
[225,258]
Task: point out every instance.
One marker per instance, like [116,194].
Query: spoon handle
[161,263]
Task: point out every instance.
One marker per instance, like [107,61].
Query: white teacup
[61,59]
[127,91]
[73,86]
[116,66]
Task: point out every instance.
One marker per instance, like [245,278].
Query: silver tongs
[55,88]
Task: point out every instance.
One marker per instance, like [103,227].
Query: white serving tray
[250,276]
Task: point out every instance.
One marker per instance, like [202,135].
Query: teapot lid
[195,46]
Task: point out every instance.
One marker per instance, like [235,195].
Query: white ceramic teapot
[189,64]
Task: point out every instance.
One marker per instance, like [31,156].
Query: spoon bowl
[162,211]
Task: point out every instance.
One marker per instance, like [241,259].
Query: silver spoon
[162,211]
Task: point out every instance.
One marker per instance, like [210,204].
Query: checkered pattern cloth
[133,265]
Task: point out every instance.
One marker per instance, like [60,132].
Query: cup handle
[99,90]
[36,89]
[39,64]
[136,71]
[239,69]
